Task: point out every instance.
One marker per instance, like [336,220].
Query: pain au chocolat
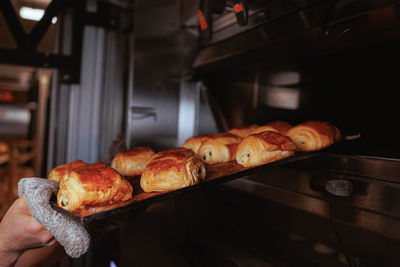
[194,143]
[281,127]
[60,171]
[172,169]
[219,148]
[243,131]
[133,161]
[96,185]
[264,147]
[314,135]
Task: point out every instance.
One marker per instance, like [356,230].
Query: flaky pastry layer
[264,147]
[314,135]
[172,169]
[132,162]
[85,187]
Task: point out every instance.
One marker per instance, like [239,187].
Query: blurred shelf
[29,105]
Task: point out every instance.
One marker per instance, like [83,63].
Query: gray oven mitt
[64,226]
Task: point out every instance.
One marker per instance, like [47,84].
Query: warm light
[33,14]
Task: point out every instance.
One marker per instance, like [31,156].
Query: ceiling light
[33,14]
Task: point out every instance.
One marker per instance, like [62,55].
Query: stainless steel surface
[226,26]
[372,195]
[362,166]
[385,226]
[295,29]
[278,208]
[295,200]
[164,50]
[365,193]
[360,202]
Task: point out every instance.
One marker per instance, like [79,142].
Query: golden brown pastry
[85,186]
[99,164]
[172,169]
[86,166]
[281,127]
[60,171]
[264,147]
[314,135]
[4,147]
[133,161]
[243,131]
[194,143]
[219,148]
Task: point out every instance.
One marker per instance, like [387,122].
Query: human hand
[19,231]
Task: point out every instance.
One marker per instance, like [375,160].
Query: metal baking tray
[99,219]
[110,217]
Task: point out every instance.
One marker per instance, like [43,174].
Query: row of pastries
[255,145]
[97,184]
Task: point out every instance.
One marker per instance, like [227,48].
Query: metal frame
[68,62]
[26,52]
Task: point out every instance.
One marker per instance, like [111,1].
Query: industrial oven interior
[84,80]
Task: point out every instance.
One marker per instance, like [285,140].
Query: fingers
[49,243]
[36,229]
[22,205]
[32,226]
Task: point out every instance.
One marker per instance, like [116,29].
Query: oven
[259,61]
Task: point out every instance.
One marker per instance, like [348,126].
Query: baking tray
[100,219]
[113,216]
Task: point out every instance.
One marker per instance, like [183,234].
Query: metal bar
[13,23]
[52,128]
[130,90]
[41,27]
[79,10]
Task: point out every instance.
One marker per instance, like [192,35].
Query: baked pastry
[194,143]
[98,186]
[314,135]
[172,169]
[219,148]
[264,147]
[60,171]
[86,166]
[99,164]
[281,127]
[133,161]
[243,131]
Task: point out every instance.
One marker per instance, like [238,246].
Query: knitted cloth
[64,226]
